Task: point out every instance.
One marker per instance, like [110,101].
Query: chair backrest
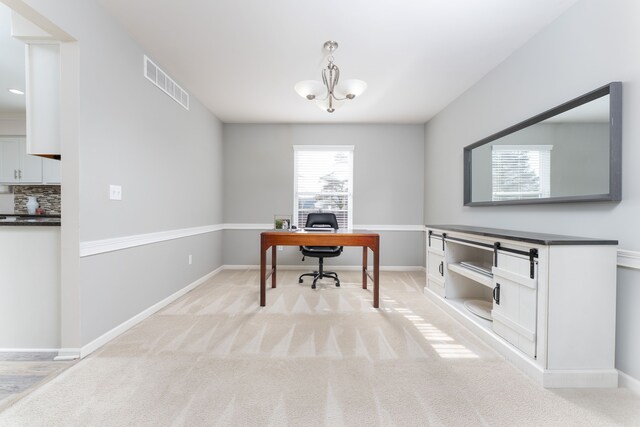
[316,219]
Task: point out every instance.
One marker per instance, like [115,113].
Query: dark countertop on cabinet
[525,236]
[12,220]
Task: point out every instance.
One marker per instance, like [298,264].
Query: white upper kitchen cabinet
[43,98]
[16,166]
[50,171]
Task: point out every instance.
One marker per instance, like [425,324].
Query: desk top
[312,238]
[340,231]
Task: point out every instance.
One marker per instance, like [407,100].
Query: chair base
[316,276]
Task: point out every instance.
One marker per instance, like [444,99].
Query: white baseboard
[108,336]
[592,378]
[333,267]
[29,350]
[65,354]
[627,381]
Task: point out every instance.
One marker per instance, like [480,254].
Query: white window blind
[323,182]
[521,171]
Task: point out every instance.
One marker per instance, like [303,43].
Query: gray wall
[595,42]
[125,283]
[388,189]
[168,161]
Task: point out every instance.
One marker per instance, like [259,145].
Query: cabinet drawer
[514,310]
[519,265]
[435,242]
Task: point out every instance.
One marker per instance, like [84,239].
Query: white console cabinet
[545,302]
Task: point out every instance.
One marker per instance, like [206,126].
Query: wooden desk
[272,239]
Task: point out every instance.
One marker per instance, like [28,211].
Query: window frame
[344,148]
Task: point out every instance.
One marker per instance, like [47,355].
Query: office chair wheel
[337,284]
[313,286]
[300,280]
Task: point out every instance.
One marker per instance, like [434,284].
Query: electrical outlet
[190,259]
[115,192]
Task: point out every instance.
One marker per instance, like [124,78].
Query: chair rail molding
[629,259]
[626,258]
[96,247]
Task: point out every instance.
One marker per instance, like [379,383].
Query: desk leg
[376,275]
[364,267]
[273,265]
[263,273]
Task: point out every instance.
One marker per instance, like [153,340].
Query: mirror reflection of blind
[520,172]
[323,182]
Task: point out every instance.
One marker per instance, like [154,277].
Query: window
[323,182]
[520,171]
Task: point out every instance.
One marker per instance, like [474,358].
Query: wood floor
[20,373]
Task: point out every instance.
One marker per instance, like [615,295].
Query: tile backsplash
[48,197]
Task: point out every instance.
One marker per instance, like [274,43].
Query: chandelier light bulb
[330,93]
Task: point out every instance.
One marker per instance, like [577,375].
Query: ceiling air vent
[166,83]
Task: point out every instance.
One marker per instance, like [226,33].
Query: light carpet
[309,358]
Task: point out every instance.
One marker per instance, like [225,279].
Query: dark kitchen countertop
[29,220]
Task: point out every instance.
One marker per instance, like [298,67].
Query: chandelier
[329,94]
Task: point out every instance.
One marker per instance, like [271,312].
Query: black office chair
[321,220]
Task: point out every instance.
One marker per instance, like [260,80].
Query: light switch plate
[115,192]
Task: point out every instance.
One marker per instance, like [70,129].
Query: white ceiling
[242,58]
[11,67]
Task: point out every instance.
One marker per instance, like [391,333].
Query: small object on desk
[39,211]
[320,229]
[281,222]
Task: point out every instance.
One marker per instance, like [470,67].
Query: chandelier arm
[335,83]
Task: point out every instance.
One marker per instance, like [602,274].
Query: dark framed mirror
[570,153]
